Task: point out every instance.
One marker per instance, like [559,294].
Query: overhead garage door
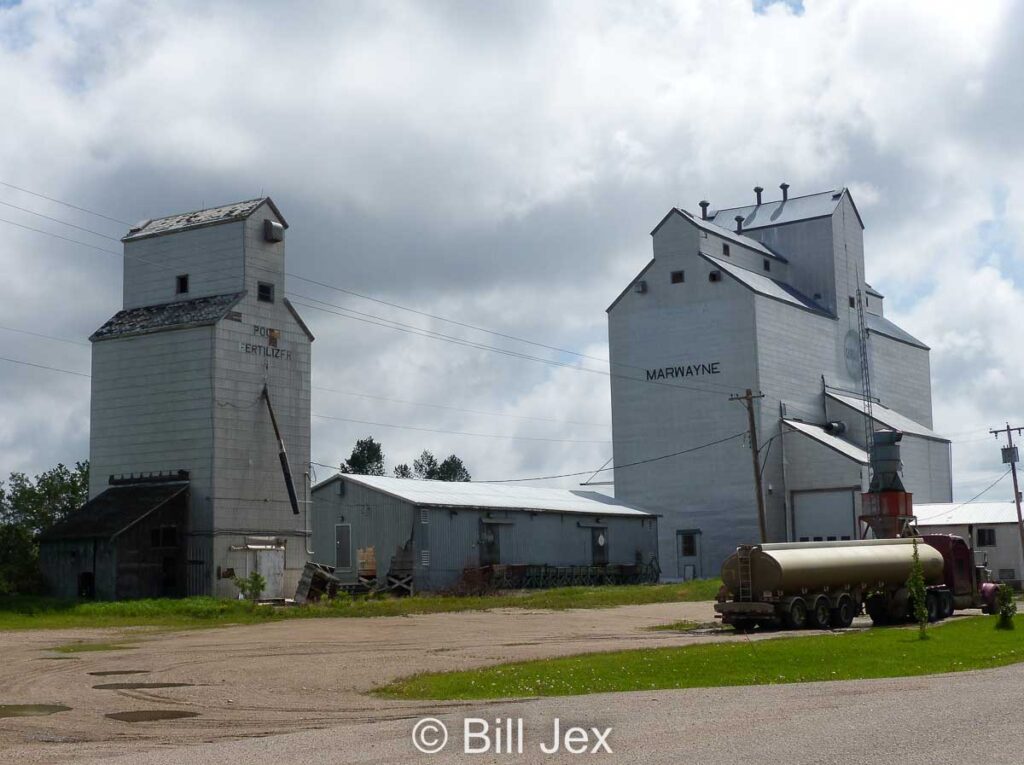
[824,515]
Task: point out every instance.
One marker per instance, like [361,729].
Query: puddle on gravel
[31,710]
[149,715]
[108,672]
[138,686]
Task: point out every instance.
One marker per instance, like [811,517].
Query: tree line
[367,458]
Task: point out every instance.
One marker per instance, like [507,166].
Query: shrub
[251,587]
[1005,607]
[918,593]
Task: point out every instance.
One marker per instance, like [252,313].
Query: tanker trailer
[826,584]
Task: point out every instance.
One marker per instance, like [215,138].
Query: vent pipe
[739,224]
[704,209]
[757,193]
[785,191]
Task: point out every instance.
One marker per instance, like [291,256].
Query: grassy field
[42,613]
[967,643]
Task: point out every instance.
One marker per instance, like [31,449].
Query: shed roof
[965,513]
[156,318]
[886,416]
[490,495]
[816,432]
[765,285]
[108,514]
[198,218]
[882,326]
[776,213]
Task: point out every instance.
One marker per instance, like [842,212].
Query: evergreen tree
[367,458]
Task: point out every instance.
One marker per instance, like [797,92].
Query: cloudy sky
[502,164]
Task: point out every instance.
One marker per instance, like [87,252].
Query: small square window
[853,302]
[265,292]
[181,284]
[725,248]
[986,537]
[767,265]
[678,277]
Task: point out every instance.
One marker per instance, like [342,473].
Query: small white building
[991,528]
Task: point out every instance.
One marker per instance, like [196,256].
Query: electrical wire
[621,467]
[66,204]
[46,337]
[58,220]
[44,366]
[972,499]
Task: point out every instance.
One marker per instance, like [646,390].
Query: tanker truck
[820,585]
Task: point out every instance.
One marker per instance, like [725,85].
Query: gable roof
[885,416]
[157,318]
[211,216]
[882,326]
[490,495]
[818,433]
[119,507]
[808,207]
[766,286]
[965,513]
[724,233]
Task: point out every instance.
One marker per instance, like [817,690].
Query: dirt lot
[284,677]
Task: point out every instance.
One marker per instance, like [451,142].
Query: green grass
[963,644]
[44,613]
[90,647]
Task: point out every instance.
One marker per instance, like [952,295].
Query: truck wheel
[842,614]
[820,615]
[877,610]
[947,605]
[931,604]
[796,616]
[743,625]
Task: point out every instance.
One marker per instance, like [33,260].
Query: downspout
[786,504]
[306,524]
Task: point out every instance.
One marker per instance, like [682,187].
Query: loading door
[490,544]
[270,565]
[820,516]
[599,546]
[688,554]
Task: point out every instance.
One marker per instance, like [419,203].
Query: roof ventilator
[704,209]
[757,193]
[739,224]
[785,191]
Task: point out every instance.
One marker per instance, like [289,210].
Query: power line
[457,432]
[972,499]
[458,409]
[44,366]
[66,204]
[358,422]
[58,236]
[620,467]
[45,337]
[58,220]
[327,285]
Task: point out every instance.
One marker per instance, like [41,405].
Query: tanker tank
[795,567]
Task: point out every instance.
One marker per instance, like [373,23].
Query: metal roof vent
[273,231]
[739,224]
[704,209]
[785,191]
[715,276]
[757,193]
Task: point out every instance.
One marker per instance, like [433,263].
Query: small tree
[1005,607]
[452,469]
[918,593]
[425,466]
[251,587]
[403,471]
[367,458]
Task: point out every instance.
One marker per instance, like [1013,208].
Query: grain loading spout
[282,454]
[887,508]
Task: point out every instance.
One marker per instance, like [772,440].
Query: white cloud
[503,164]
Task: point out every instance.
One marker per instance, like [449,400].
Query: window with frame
[767,265]
[181,284]
[986,537]
[853,302]
[688,545]
[265,292]
[678,277]
[725,248]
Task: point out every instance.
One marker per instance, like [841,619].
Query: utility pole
[748,401]
[1010,455]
